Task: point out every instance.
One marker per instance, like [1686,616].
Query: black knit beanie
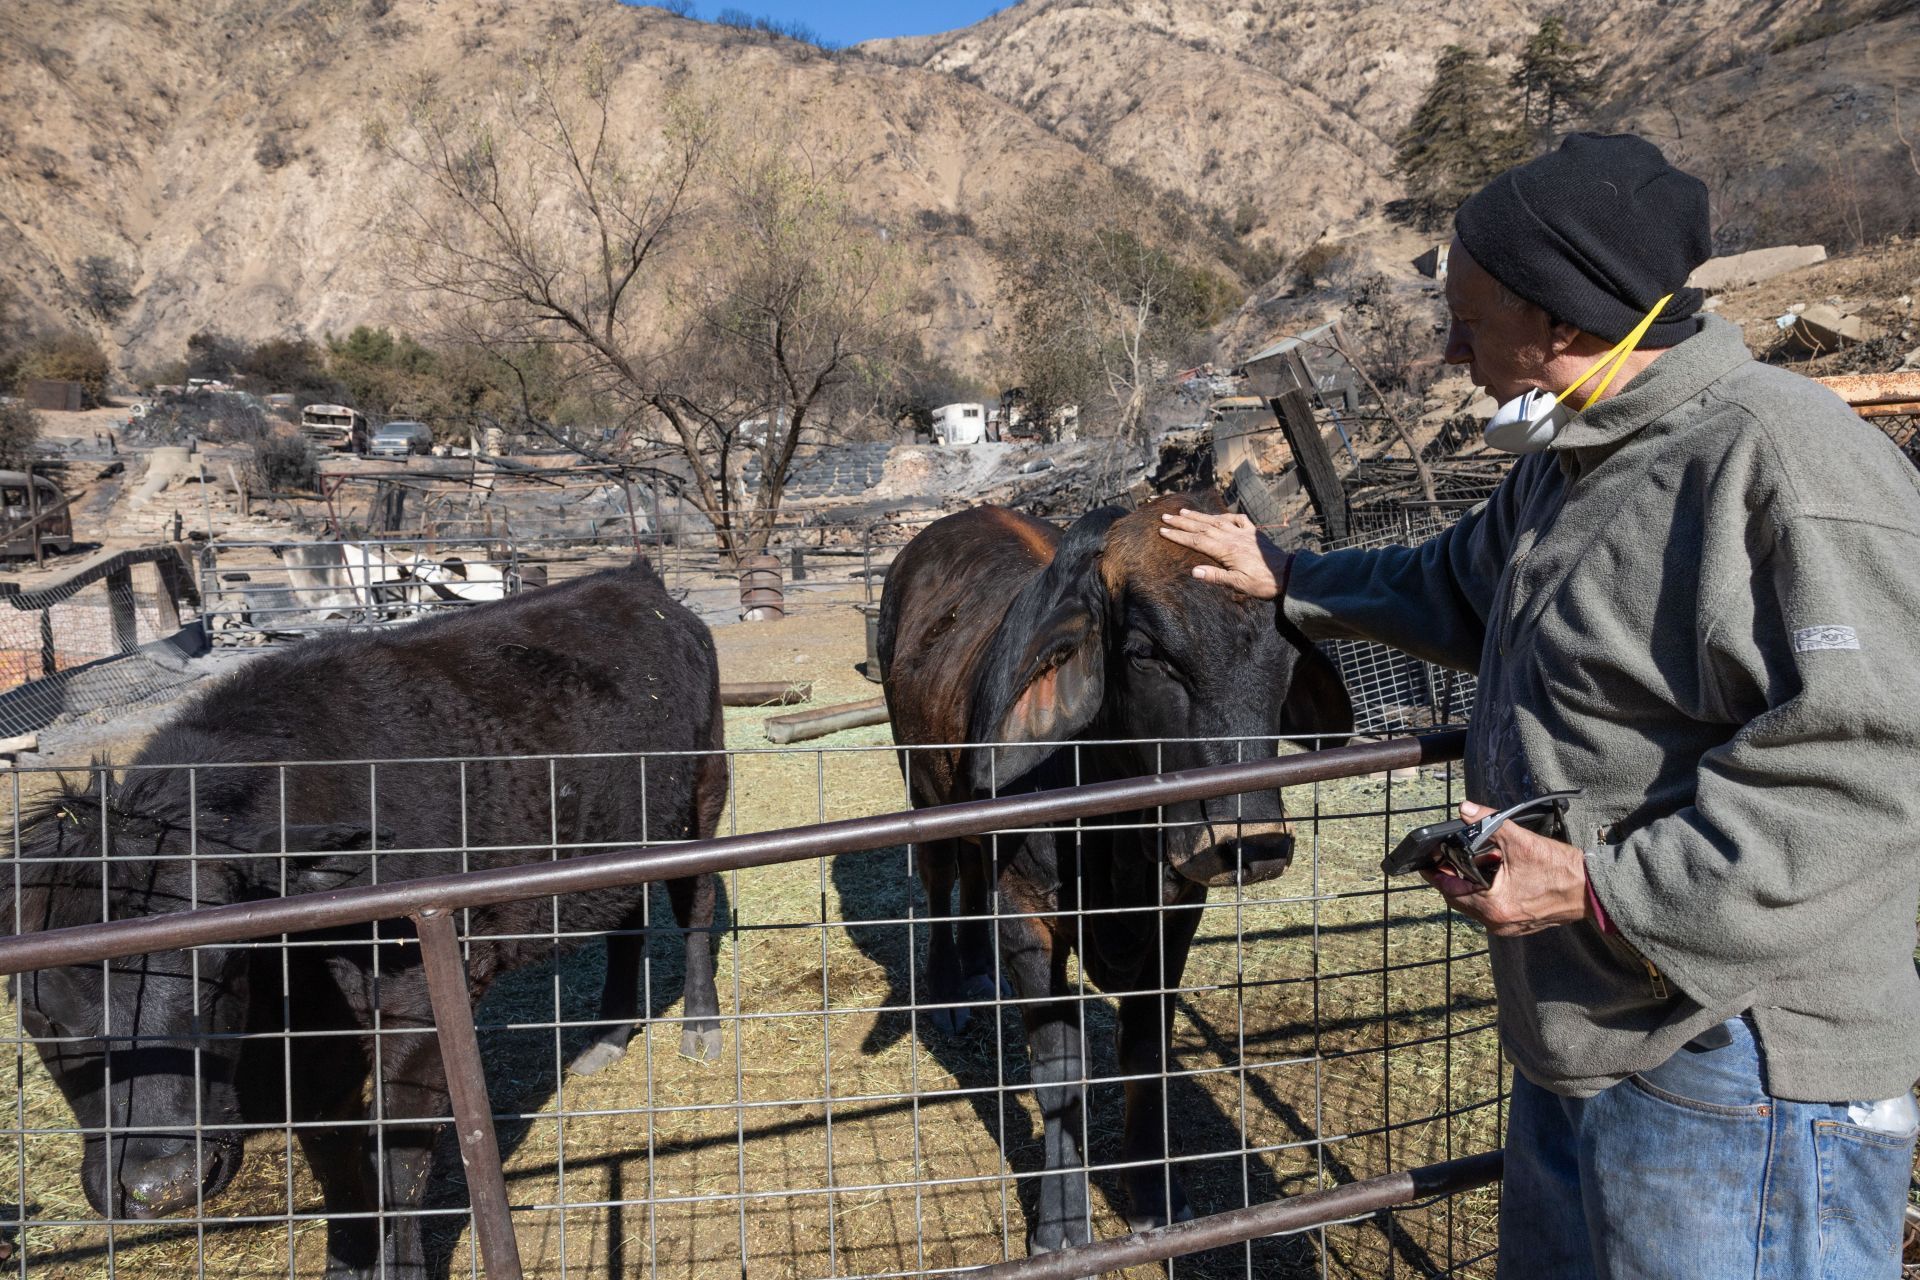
[1595,233]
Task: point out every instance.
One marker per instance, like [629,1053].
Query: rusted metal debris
[1876,395]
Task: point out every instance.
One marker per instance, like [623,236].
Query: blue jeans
[1692,1171]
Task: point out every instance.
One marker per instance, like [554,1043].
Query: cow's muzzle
[1229,853]
[161,1176]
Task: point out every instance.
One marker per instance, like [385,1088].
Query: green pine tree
[1555,75]
[1462,134]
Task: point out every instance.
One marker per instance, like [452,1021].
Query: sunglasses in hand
[1463,848]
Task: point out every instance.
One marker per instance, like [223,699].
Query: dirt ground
[840,1134]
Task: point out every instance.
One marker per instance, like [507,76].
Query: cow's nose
[168,1177]
[1239,853]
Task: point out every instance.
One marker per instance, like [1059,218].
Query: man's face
[1506,343]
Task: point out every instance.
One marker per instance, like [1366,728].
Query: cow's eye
[1143,655]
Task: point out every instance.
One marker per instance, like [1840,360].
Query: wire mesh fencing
[263,590]
[106,634]
[1392,690]
[1325,1027]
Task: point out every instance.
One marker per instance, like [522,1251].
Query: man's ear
[1043,676]
[1561,336]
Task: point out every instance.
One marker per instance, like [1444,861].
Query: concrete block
[1824,328]
[1738,269]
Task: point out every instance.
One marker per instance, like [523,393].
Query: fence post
[169,572]
[49,662]
[125,625]
[33,510]
[472,1112]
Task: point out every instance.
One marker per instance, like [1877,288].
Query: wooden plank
[803,725]
[772,693]
[1314,461]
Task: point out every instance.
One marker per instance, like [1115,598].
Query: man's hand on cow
[1541,882]
[1246,561]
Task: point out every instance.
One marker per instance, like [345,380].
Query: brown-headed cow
[997,628]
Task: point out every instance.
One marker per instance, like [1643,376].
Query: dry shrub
[19,431]
[282,462]
[68,356]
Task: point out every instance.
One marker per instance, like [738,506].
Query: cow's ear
[1317,700]
[320,855]
[309,837]
[1043,675]
[311,875]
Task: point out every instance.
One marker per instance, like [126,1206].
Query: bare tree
[690,281]
[800,298]
[1101,308]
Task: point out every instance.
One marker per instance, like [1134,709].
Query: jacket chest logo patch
[1827,636]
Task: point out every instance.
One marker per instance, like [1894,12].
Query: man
[1699,603]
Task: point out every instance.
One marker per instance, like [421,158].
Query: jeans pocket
[1720,1082]
[1863,1199]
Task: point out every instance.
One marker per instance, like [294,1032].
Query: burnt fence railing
[430,902]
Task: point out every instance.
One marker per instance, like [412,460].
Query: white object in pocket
[1897,1116]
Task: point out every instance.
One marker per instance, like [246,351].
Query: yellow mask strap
[1616,358]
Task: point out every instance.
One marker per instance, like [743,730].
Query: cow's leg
[945,981]
[700,1039]
[974,933]
[619,998]
[342,1164]
[1037,961]
[1155,1195]
[413,1087]
[327,1077]
[693,906]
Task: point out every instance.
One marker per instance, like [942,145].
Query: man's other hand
[1541,883]
[1246,562]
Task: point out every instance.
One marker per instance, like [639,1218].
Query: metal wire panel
[87,643]
[1393,691]
[1328,1026]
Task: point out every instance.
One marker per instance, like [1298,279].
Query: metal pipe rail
[429,901]
[334,908]
[1236,1226]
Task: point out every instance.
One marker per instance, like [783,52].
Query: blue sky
[851,21]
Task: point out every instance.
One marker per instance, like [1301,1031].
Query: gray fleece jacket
[1702,606]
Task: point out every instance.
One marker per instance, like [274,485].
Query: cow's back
[477,705]
[946,594]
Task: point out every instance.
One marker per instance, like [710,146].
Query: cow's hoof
[949,1022]
[982,989]
[701,1046]
[1147,1211]
[1051,1237]
[597,1057]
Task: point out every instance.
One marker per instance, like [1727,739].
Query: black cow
[606,664]
[997,628]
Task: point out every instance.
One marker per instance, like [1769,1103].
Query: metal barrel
[760,596]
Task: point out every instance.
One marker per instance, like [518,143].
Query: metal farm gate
[1334,1092]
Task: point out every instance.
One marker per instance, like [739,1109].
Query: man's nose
[1459,350]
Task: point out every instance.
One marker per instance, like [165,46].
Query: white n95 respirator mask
[1529,423]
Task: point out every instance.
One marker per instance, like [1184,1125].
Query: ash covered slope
[217,150]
